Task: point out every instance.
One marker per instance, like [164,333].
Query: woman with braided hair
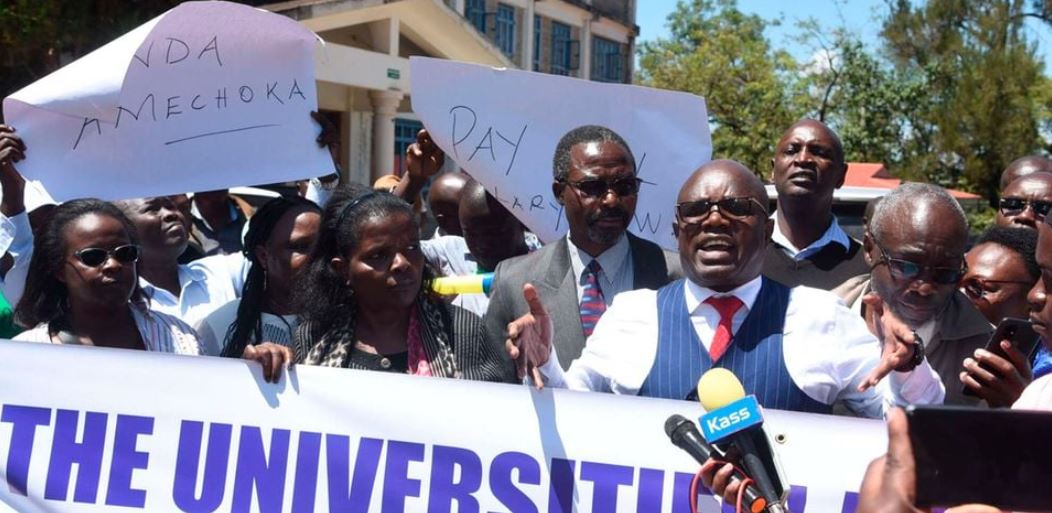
[364,301]
[279,239]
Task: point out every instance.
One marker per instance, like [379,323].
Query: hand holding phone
[1000,374]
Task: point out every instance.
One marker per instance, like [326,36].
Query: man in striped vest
[794,348]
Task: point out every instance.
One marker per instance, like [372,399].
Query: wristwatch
[918,354]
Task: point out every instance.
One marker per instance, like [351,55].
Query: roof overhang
[429,24]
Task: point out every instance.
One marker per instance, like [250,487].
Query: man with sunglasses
[808,246]
[914,246]
[578,275]
[1026,201]
[796,349]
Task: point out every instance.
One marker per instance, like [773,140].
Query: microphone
[737,420]
[685,435]
[456,285]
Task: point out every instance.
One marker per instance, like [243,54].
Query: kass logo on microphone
[732,418]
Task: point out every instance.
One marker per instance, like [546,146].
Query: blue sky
[858,16]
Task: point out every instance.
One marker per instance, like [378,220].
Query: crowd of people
[809,318]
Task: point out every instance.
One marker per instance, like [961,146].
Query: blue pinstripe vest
[754,356]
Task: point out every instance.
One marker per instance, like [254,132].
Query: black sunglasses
[906,270]
[94,257]
[1016,206]
[696,212]
[595,188]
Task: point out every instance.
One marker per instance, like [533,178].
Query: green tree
[986,89]
[716,51]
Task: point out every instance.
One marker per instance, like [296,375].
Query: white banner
[502,126]
[206,96]
[196,434]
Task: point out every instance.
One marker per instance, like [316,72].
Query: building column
[586,49]
[385,106]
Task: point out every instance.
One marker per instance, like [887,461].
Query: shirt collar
[833,234]
[187,274]
[747,293]
[610,260]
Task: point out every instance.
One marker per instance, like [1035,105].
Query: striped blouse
[160,332]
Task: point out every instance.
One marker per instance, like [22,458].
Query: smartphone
[1022,335]
[988,456]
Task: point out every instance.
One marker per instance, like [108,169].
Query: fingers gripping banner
[87,429]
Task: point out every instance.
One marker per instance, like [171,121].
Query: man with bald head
[1024,166]
[1025,201]
[794,348]
[491,235]
[808,246]
[443,200]
[917,264]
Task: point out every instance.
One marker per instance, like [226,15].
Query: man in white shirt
[189,292]
[796,349]
[808,246]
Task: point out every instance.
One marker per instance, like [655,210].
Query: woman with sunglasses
[83,286]
[365,303]
[280,236]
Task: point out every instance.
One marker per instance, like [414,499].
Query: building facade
[363,67]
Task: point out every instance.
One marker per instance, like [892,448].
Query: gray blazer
[549,270]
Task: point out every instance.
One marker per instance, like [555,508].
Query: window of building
[506,29]
[475,12]
[405,134]
[560,64]
[608,64]
[536,43]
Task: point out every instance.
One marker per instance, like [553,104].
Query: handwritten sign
[206,96]
[502,126]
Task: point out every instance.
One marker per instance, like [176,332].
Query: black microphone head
[674,421]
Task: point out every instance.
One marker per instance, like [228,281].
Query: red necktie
[726,306]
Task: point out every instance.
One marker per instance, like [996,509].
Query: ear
[768,229]
[772,168]
[557,190]
[843,175]
[867,248]
[339,266]
[261,255]
[675,229]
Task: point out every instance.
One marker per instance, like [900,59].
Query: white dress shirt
[160,332]
[833,235]
[616,274]
[206,285]
[827,349]
[18,236]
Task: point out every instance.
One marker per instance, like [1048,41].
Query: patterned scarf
[428,343]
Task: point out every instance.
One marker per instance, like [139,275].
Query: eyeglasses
[696,212]
[906,270]
[978,288]
[596,188]
[94,257]
[1016,206]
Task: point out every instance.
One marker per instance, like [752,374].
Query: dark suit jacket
[548,269]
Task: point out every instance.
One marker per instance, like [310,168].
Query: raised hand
[898,342]
[423,158]
[529,340]
[12,150]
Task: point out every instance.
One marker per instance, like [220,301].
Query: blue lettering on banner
[730,419]
[263,460]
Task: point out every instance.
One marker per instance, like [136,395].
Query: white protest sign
[159,432]
[502,126]
[206,96]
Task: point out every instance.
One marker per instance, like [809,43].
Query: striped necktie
[592,303]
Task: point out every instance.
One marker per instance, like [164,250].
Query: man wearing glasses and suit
[915,245]
[578,275]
